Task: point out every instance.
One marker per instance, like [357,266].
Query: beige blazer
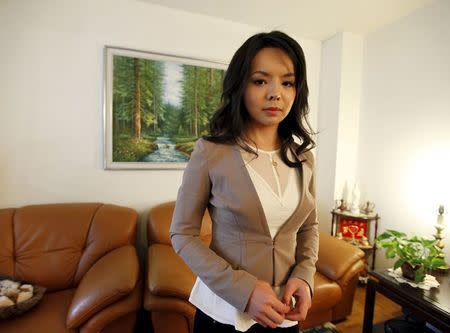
[242,250]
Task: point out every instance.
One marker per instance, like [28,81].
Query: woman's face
[270,89]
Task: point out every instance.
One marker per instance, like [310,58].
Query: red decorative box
[347,226]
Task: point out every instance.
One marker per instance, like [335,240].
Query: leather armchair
[169,280]
[84,255]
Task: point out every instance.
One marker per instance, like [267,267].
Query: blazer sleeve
[308,236]
[234,286]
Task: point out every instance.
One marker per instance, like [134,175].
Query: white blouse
[278,189]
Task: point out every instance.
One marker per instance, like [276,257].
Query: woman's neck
[264,138]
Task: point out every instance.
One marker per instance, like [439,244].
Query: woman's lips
[272,109]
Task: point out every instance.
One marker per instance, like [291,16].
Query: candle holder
[439,236]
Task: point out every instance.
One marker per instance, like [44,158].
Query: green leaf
[399,263]
[397,234]
[414,262]
[390,253]
[438,262]
[384,236]
[429,242]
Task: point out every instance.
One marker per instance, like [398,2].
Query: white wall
[329,97]
[51,65]
[349,106]
[339,108]
[404,146]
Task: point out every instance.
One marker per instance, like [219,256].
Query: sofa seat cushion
[47,316]
[168,275]
[153,303]
[327,293]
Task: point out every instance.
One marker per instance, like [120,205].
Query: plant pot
[408,271]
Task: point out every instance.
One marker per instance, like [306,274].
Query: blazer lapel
[247,189]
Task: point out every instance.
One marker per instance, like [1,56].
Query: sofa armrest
[109,279]
[337,257]
[105,319]
[167,273]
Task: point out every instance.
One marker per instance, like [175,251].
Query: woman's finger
[274,316]
[266,321]
[299,312]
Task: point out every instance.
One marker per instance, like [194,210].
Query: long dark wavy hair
[228,122]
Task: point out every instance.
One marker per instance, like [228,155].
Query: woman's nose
[274,97]
[274,92]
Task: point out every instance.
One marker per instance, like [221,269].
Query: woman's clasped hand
[266,309]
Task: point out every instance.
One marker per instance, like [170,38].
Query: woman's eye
[259,82]
[289,84]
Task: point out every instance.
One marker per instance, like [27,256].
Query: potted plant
[415,255]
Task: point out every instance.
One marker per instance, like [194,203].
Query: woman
[258,186]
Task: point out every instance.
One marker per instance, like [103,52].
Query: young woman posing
[258,185]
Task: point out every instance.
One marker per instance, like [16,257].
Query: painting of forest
[160,108]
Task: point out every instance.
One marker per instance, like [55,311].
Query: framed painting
[156,106]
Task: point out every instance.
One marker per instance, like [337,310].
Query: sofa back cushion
[160,218]
[55,245]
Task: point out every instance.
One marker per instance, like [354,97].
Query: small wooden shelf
[367,225]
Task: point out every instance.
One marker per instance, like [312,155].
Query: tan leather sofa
[84,255]
[169,279]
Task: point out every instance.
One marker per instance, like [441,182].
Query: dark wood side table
[431,305]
